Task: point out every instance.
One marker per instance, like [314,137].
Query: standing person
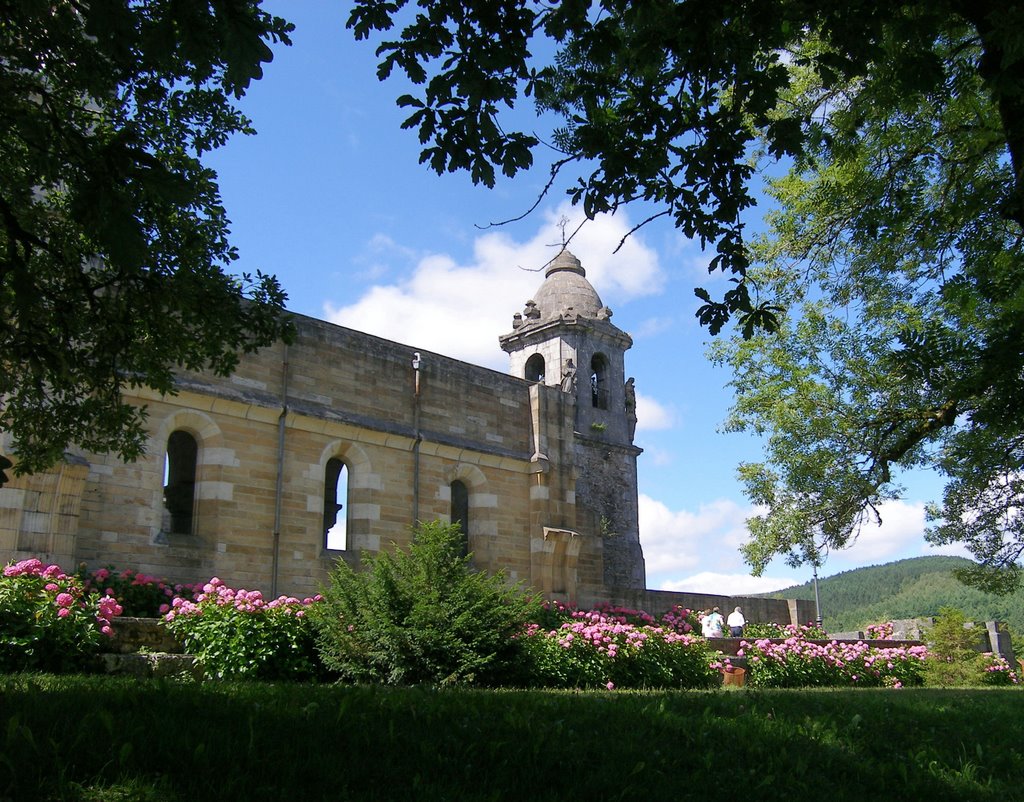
[712,624]
[736,623]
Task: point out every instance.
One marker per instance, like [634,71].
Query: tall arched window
[599,381]
[460,512]
[180,482]
[535,368]
[336,504]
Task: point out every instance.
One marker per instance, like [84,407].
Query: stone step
[149,665]
[141,634]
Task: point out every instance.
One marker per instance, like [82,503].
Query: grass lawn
[112,739]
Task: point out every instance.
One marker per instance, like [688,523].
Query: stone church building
[334,445]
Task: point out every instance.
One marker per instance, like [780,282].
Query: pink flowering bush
[799,662]
[552,614]
[237,634]
[879,631]
[47,620]
[139,594]
[614,648]
[997,671]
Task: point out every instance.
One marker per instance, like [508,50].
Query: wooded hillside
[905,589]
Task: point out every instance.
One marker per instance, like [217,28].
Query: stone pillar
[999,641]
[39,514]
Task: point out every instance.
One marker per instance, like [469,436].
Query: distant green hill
[905,589]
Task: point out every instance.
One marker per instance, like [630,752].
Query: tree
[879,326]
[114,249]
[901,271]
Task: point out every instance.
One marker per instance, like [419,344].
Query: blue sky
[330,197]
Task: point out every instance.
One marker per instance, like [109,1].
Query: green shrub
[970,671]
[763,629]
[949,638]
[47,621]
[955,660]
[940,672]
[769,629]
[422,616]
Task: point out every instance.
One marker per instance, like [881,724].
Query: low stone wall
[756,611]
[730,646]
[992,635]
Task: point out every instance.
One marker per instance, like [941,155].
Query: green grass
[99,738]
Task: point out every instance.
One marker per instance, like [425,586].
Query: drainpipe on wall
[417,438]
[275,557]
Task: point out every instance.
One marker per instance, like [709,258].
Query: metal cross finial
[563,221]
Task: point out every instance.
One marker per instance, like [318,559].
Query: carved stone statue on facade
[631,406]
[569,377]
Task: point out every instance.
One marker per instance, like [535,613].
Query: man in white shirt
[736,622]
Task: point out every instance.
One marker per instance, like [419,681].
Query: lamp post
[817,600]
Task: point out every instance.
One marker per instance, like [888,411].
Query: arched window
[599,381]
[336,504]
[535,368]
[180,482]
[460,512]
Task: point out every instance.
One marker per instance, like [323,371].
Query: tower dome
[566,287]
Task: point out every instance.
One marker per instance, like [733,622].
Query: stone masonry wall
[336,393]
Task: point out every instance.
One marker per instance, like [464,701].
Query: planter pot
[736,676]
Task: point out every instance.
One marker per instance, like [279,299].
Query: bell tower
[564,339]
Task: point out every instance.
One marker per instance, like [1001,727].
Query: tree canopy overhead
[114,249]
[879,323]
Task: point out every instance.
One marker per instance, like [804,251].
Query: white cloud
[656,456]
[948,549]
[460,310]
[679,540]
[650,415]
[379,256]
[698,552]
[729,584]
[651,327]
[902,528]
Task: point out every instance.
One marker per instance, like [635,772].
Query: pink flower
[65,600]
[63,612]
[610,685]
